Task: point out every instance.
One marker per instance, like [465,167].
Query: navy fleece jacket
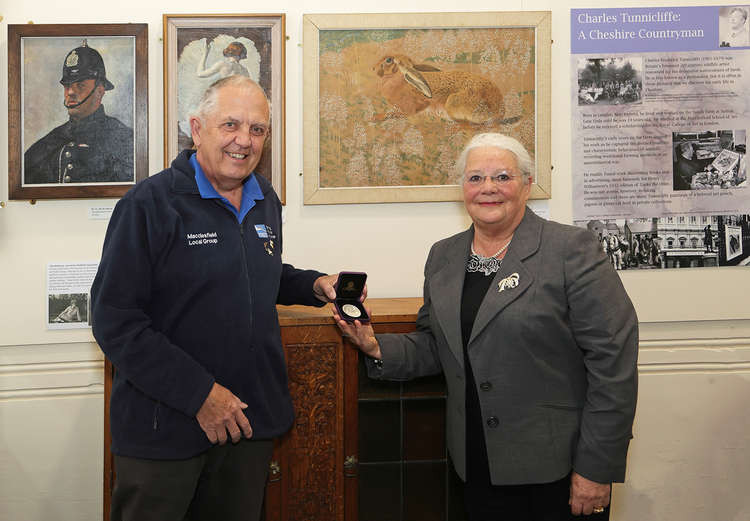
[186,296]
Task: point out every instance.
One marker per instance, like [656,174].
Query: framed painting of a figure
[77,110]
[391,99]
[201,49]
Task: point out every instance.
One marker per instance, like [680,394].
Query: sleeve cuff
[199,397]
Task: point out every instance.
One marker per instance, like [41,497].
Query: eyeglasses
[501,178]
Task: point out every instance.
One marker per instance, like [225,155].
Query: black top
[477,467]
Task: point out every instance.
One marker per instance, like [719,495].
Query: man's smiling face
[230,138]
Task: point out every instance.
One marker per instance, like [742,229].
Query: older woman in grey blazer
[538,342]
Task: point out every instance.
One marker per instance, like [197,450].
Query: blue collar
[251,191]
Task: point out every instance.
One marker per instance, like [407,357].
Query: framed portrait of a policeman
[77,110]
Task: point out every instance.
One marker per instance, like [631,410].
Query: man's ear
[195,130]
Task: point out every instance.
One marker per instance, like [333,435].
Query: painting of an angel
[229,66]
[227,54]
[201,49]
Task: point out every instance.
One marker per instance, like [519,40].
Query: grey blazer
[554,355]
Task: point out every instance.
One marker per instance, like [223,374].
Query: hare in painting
[463,96]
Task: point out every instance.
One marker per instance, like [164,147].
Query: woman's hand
[586,496]
[361,335]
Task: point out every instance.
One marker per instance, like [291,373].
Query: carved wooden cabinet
[315,471]
[309,476]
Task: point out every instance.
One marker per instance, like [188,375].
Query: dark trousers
[536,502]
[225,483]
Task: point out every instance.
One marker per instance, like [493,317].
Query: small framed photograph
[77,110]
[201,49]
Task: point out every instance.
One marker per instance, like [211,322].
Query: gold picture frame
[371,135]
[193,49]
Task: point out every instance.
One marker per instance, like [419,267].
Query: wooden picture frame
[371,135]
[193,48]
[57,147]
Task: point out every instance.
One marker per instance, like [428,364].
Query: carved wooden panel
[313,448]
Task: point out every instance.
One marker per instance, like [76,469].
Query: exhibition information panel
[661,108]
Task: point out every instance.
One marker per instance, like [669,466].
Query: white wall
[691,439]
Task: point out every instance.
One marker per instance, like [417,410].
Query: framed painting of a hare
[390,100]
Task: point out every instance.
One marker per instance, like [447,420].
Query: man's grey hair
[741,10]
[207,104]
[502,142]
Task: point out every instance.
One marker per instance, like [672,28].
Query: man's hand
[325,291]
[323,287]
[587,496]
[222,413]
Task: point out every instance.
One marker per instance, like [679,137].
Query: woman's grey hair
[502,142]
[207,104]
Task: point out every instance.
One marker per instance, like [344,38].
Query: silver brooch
[508,282]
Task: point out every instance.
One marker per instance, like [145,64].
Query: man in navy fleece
[184,305]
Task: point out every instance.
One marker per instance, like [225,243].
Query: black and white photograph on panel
[709,159]
[68,289]
[67,309]
[733,26]
[610,80]
[674,241]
